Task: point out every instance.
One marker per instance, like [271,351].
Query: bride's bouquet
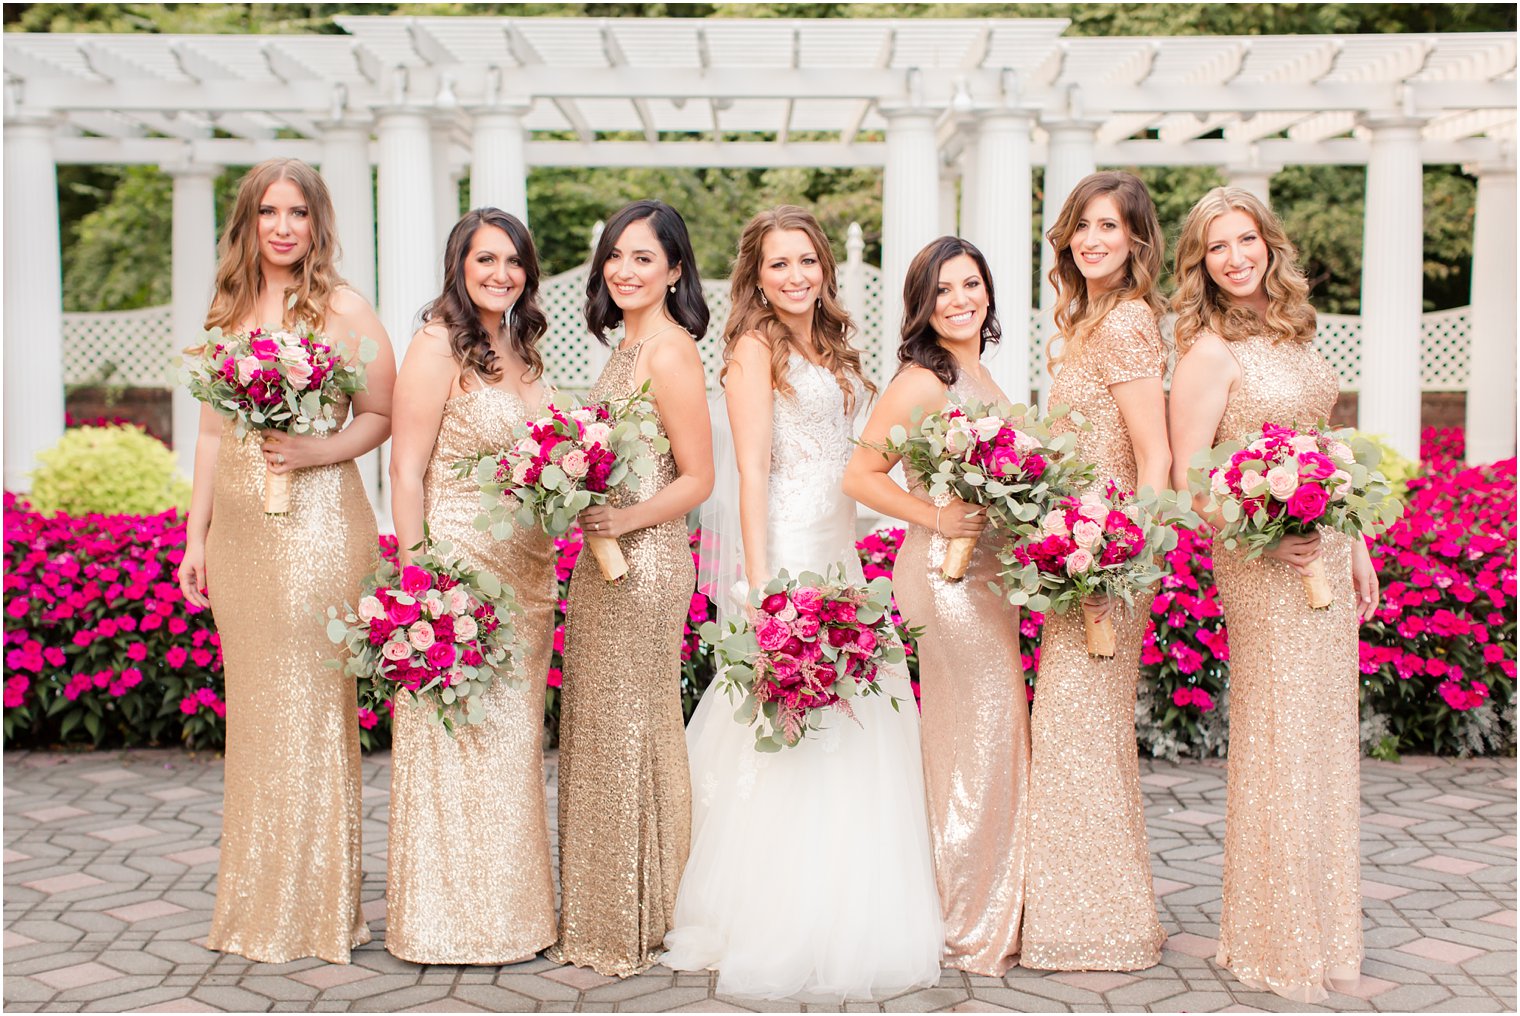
[809,644]
[284,379]
[437,629]
[566,461]
[1003,457]
[1291,481]
[1109,544]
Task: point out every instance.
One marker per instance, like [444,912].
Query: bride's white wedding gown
[810,873]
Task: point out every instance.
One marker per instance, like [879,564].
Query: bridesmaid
[469,878]
[624,785]
[975,715]
[288,884]
[1292,918]
[1091,902]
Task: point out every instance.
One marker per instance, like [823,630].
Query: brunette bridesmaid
[468,876]
[975,718]
[1292,913]
[1091,903]
[624,785]
[291,866]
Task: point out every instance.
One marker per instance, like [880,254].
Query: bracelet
[937,510]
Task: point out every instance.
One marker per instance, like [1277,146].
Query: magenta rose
[265,349]
[1004,461]
[771,635]
[440,655]
[807,600]
[774,603]
[1308,502]
[415,580]
[403,614]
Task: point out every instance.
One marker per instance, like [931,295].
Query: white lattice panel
[1445,350]
[1339,340]
[132,347]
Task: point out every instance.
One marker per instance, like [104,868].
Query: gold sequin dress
[469,876]
[291,866]
[1091,904]
[1292,915]
[975,730]
[624,785]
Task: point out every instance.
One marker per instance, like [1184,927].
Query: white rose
[371,608]
[1301,443]
[1340,485]
[1282,482]
[987,428]
[595,433]
[459,600]
[1341,452]
[465,628]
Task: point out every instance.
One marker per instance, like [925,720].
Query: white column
[193,251]
[1068,158]
[346,168]
[1491,381]
[1255,179]
[853,278]
[1001,231]
[949,202]
[1392,285]
[499,160]
[33,297]
[909,214]
[445,182]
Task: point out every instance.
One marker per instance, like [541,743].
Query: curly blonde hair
[832,326]
[1076,313]
[239,274]
[1202,306]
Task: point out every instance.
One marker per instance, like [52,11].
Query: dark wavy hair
[685,305]
[920,342]
[525,323]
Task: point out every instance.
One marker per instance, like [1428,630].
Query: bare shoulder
[915,385]
[1208,355]
[433,338]
[675,350]
[344,302]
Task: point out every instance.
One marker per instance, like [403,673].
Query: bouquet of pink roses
[287,380]
[1290,480]
[1106,544]
[566,461]
[810,643]
[435,628]
[1001,456]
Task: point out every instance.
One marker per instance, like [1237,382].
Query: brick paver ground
[110,867]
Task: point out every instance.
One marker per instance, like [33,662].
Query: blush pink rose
[1054,524]
[247,367]
[1078,561]
[421,635]
[1282,482]
[465,628]
[595,433]
[1251,482]
[396,650]
[298,374]
[574,464]
[1087,533]
[458,600]
[370,608]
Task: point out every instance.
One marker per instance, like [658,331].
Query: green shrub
[110,471]
[1392,465]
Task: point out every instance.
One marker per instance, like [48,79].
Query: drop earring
[763,301]
[672,287]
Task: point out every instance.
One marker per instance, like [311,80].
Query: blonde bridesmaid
[1091,903]
[291,865]
[1291,920]
[624,785]
[975,716]
[469,878]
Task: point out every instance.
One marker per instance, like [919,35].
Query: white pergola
[958,112]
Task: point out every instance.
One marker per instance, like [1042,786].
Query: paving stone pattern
[110,871]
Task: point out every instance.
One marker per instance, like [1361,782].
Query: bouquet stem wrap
[609,556]
[957,557]
[1316,586]
[1100,636]
[276,492]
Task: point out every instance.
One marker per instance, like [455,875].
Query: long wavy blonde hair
[239,273]
[1076,313]
[832,326]
[1202,306]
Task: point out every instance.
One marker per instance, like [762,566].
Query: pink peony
[772,634]
[807,600]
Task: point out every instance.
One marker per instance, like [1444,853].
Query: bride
[810,874]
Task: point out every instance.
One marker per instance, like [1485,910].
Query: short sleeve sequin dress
[1292,914]
[468,877]
[624,783]
[1091,904]
[291,866]
[975,730]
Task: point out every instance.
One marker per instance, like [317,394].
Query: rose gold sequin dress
[1292,915]
[975,730]
[624,784]
[291,866]
[1091,904]
[468,877]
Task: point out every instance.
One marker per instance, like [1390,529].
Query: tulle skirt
[810,874]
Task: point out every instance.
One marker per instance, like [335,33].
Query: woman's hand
[192,574]
[605,520]
[1365,580]
[1298,552]
[1097,607]
[959,519]
[285,452]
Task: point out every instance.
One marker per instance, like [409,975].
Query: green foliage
[1397,469]
[109,471]
[119,257]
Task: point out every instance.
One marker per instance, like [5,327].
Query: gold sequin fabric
[291,865]
[469,877]
[1091,904]
[1291,920]
[975,737]
[624,784]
